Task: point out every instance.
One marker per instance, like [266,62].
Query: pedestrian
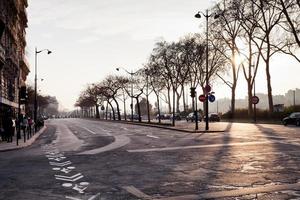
[30,125]
[2,133]
[24,126]
[14,126]
[1,130]
[8,127]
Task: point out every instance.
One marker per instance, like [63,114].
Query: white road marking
[197,146]
[89,130]
[60,164]
[152,136]
[136,192]
[95,197]
[120,141]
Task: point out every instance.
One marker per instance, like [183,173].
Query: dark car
[177,116]
[162,116]
[191,117]
[213,117]
[294,119]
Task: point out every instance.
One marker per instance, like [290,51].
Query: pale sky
[90,38]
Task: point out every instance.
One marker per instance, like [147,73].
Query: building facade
[14,67]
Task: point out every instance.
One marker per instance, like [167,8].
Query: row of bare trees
[245,36]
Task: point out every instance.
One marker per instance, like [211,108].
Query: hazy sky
[90,38]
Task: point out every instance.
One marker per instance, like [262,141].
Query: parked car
[213,117]
[191,117]
[177,116]
[167,116]
[293,118]
[162,116]
[135,117]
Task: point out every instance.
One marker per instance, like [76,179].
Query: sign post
[255,100]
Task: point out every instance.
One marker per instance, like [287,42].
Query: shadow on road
[285,160]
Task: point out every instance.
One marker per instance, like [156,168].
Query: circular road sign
[202,98]
[255,100]
[102,108]
[211,98]
[207,88]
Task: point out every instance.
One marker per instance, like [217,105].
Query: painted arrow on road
[69,178]
[95,197]
[60,164]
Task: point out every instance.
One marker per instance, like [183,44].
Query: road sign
[202,98]
[255,100]
[207,88]
[211,98]
[102,108]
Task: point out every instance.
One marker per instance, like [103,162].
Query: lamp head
[198,15]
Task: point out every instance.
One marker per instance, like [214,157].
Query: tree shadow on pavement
[283,161]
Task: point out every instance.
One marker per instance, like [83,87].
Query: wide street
[87,159]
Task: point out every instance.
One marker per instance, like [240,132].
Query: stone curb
[167,126]
[28,143]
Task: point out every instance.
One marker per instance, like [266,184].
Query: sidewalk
[4,146]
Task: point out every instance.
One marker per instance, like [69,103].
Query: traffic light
[193,92]
[23,94]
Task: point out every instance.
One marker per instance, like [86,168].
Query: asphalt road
[87,160]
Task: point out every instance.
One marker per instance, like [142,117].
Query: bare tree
[227,29]
[113,85]
[291,10]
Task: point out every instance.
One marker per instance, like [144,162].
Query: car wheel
[298,123]
[284,123]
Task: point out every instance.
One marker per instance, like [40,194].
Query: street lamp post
[206,15]
[131,77]
[35,83]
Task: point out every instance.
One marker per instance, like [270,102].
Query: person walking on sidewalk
[8,128]
[24,126]
[30,126]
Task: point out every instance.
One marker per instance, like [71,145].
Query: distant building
[14,67]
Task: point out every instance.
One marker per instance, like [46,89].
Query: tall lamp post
[35,83]
[207,16]
[131,77]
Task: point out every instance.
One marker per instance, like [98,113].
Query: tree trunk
[113,110]
[139,109]
[204,105]
[178,95]
[234,81]
[250,107]
[270,97]
[118,109]
[183,99]
[97,111]
[158,108]
[125,114]
[169,101]
[148,108]
[106,110]
[233,100]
